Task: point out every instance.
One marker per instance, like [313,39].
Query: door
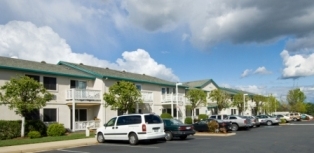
[110,129]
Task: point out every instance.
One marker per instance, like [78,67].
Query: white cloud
[246,73]
[296,66]
[261,70]
[27,41]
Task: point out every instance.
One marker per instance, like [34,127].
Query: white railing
[83,94]
[81,125]
[147,96]
[167,98]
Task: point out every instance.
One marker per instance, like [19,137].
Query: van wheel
[133,140]
[168,136]
[269,123]
[100,138]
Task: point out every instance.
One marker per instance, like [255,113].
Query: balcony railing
[167,98]
[147,96]
[82,125]
[83,94]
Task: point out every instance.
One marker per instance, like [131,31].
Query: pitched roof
[41,67]
[235,91]
[120,75]
[200,83]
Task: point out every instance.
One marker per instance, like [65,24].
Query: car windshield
[176,122]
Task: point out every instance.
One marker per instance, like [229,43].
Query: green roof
[199,83]
[211,105]
[235,91]
[119,75]
[41,68]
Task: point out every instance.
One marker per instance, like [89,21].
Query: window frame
[48,86]
[56,115]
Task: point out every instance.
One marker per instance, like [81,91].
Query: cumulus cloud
[296,66]
[246,73]
[27,41]
[238,21]
[261,70]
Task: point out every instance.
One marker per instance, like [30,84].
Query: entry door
[80,115]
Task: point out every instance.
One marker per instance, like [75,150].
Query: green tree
[196,97]
[296,100]
[259,100]
[123,96]
[309,108]
[24,94]
[238,102]
[221,97]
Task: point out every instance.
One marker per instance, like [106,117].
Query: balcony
[167,98]
[83,95]
[82,125]
[147,96]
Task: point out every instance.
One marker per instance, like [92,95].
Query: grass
[21,141]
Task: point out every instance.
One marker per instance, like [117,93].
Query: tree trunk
[193,116]
[23,126]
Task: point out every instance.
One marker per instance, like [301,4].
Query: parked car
[202,126]
[268,120]
[294,116]
[303,116]
[254,121]
[175,128]
[237,121]
[284,117]
[132,127]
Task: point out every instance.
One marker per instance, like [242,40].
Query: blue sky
[264,47]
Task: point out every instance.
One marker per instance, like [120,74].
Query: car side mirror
[105,124]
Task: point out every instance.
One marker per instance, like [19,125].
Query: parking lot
[296,137]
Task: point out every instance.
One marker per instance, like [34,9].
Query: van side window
[127,120]
[152,119]
[111,122]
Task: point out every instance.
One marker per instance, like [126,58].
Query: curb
[215,134]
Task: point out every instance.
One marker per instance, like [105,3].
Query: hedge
[10,129]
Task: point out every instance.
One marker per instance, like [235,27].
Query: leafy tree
[123,96]
[296,100]
[196,97]
[259,100]
[24,94]
[238,102]
[221,97]
[309,108]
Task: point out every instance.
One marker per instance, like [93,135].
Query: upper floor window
[78,84]
[138,87]
[50,83]
[35,77]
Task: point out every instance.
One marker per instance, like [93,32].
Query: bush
[34,134]
[10,129]
[282,120]
[212,126]
[307,118]
[202,117]
[188,120]
[56,129]
[35,125]
[165,115]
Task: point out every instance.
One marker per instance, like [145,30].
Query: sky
[264,47]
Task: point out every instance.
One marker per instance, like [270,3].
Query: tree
[258,99]
[123,96]
[309,108]
[221,97]
[196,97]
[238,102]
[296,99]
[24,94]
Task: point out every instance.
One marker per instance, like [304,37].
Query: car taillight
[181,128]
[144,127]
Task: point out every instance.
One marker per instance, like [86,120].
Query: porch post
[73,111]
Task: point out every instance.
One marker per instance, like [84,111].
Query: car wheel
[100,138]
[183,137]
[168,136]
[294,119]
[269,123]
[235,127]
[133,140]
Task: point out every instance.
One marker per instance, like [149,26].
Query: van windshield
[152,119]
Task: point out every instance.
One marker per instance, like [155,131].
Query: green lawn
[20,141]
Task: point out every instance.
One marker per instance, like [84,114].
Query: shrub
[282,120]
[212,126]
[202,116]
[188,120]
[10,129]
[307,118]
[56,129]
[35,125]
[34,134]
[165,115]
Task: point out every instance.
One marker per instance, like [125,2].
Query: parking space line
[117,145]
[72,151]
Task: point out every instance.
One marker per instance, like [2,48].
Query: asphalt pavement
[294,137]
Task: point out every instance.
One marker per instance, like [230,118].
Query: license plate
[188,128]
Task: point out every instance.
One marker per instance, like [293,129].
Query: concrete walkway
[37,147]
[48,146]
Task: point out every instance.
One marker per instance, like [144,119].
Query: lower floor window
[50,115]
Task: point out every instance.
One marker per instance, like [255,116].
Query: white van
[132,127]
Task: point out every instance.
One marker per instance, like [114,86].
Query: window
[138,87]
[197,112]
[152,119]
[232,118]
[78,84]
[233,111]
[163,90]
[50,83]
[127,120]
[80,114]
[111,122]
[35,77]
[50,115]
[33,115]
